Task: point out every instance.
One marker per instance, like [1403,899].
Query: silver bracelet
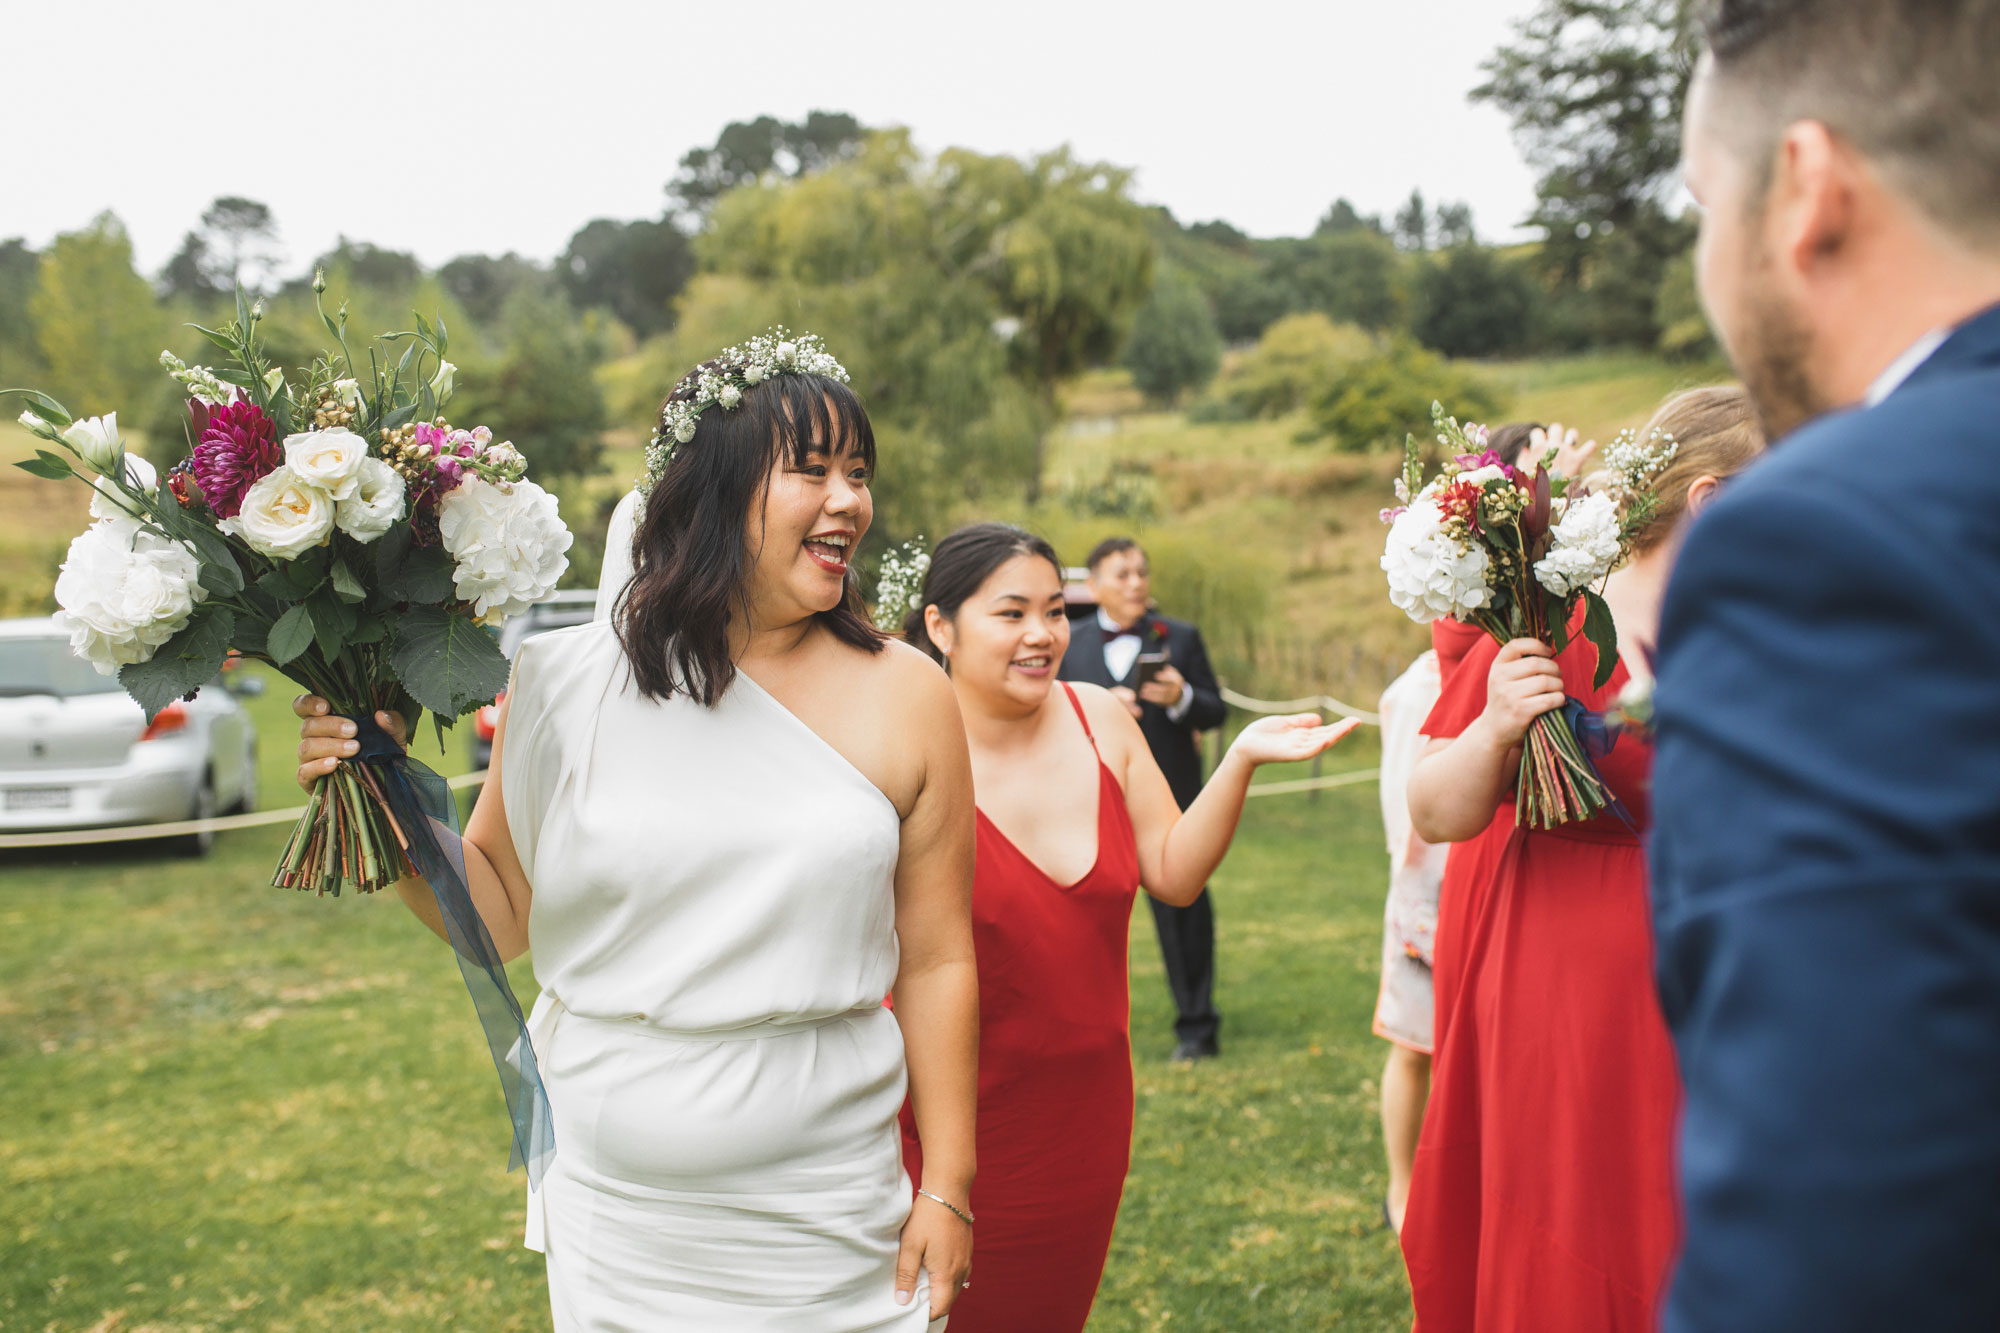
[939,1198]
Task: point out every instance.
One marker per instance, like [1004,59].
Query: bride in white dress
[729,819]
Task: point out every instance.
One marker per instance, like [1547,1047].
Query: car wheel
[199,844]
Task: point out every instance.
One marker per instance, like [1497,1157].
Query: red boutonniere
[1159,628]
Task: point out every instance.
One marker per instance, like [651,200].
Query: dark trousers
[1187,944]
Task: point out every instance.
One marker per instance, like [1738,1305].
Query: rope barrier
[180,828]
[1309,704]
[1315,784]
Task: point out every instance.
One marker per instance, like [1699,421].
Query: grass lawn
[228,1107]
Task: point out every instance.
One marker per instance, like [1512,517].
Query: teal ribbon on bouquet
[428,816]
[1597,739]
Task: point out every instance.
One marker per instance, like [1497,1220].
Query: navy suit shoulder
[1826,869]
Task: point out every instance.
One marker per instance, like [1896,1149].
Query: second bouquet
[1523,555]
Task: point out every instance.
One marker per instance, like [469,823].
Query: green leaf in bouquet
[45,464]
[219,571]
[346,585]
[402,416]
[252,637]
[242,379]
[1599,629]
[184,663]
[372,629]
[222,340]
[410,573]
[1555,614]
[447,663]
[292,635]
[45,407]
[331,619]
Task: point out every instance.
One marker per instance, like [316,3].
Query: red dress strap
[1077,704]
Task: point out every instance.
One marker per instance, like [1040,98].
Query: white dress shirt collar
[1906,365]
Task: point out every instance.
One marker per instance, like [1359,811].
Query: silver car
[77,752]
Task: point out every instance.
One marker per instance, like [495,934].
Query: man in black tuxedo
[1180,699]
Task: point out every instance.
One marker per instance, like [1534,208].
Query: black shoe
[1190,1051]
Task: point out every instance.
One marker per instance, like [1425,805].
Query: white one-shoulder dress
[713,928]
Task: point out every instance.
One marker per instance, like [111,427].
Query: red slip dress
[1543,1198]
[1054,1133]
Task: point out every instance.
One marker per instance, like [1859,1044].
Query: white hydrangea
[124,591]
[376,504]
[508,545]
[1583,547]
[1430,574]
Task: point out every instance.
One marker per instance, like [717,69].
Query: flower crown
[1634,465]
[899,584]
[724,380]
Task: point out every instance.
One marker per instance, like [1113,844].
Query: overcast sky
[449,128]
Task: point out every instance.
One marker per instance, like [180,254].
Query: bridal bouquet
[1518,555]
[327,521]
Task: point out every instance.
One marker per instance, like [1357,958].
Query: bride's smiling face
[1008,639]
[801,543]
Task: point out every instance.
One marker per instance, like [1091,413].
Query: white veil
[617,570]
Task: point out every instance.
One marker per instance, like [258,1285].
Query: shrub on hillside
[1470,302]
[1388,396]
[1295,358]
[1684,331]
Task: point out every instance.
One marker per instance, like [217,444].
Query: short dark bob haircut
[690,557]
[959,565]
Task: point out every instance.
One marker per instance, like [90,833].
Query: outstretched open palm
[1289,739]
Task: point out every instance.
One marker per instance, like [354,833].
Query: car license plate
[38,798]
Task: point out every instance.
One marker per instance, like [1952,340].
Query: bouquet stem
[1557,784]
[347,838]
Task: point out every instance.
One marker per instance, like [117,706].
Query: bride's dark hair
[959,565]
[690,566]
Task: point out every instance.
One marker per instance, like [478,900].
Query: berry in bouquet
[328,520]
[1524,555]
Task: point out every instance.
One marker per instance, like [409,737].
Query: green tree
[1413,223]
[483,285]
[367,265]
[20,361]
[1685,334]
[542,395]
[240,243]
[748,151]
[1174,346]
[95,322]
[1381,399]
[1353,277]
[1343,216]
[1473,303]
[1595,88]
[1454,225]
[635,270]
[958,291]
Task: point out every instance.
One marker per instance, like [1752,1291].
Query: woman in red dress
[1074,818]
[1542,1199]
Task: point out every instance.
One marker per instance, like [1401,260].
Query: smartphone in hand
[1149,665]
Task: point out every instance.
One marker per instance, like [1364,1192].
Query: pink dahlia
[238,446]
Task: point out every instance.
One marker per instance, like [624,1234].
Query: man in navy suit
[1106,648]
[1826,843]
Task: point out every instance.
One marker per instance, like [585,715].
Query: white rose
[508,545]
[328,459]
[283,516]
[96,441]
[375,506]
[1479,476]
[1583,547]
[110,502]
[124,591]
